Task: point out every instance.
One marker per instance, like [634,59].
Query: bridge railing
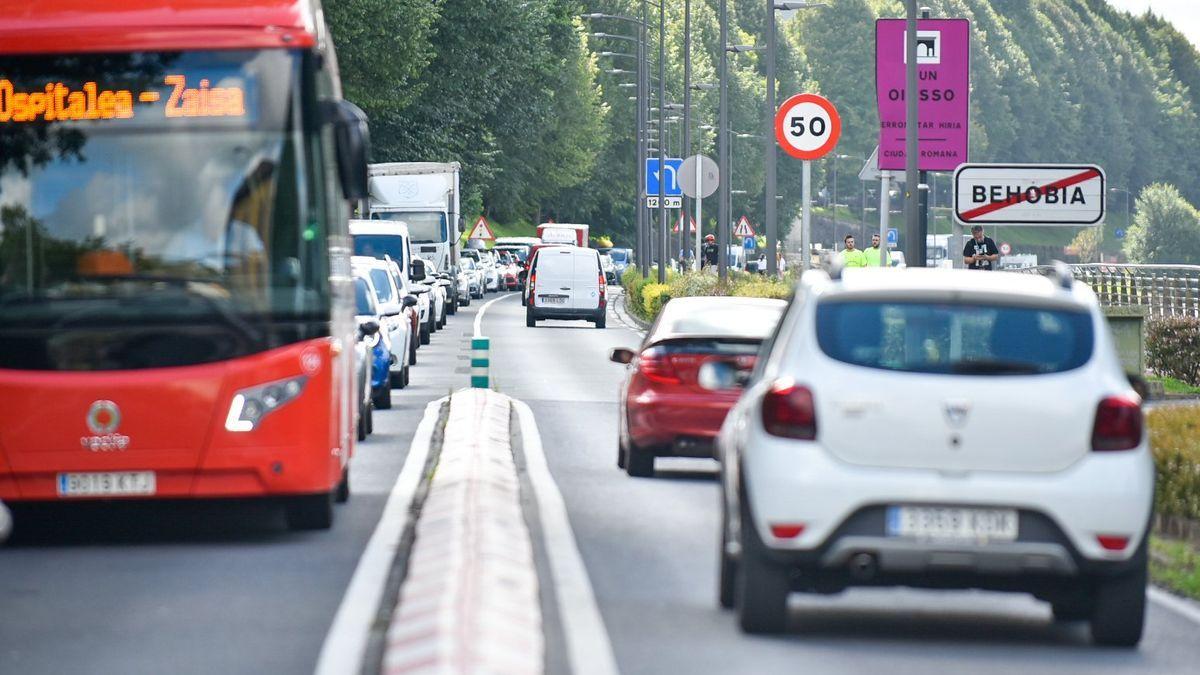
[1164,290]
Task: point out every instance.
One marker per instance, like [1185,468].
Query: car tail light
[532,282]
[1112,542]
[788,411]
[655,365]
[787,530]
[1118,425]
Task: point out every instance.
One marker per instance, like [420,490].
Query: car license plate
[106,484]
[924,522]
[554,299]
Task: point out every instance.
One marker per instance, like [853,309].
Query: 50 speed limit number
[807,126]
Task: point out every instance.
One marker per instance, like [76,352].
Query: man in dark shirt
[981,252]
[709,250]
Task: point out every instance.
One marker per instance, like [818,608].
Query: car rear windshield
[955,338]
[722,319]
[618,256]
[556,262]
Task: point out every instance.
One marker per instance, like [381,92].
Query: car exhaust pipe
[863,566]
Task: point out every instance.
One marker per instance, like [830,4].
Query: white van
[383,238]
[566,282]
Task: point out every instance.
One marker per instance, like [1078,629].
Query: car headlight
[251,405]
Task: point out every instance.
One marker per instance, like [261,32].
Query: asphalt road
[216,588]
[225,588]
[650,547]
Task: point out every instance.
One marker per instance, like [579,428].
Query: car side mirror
[621,355]
[417,271]
[368,328]
[353,143]
[717,376]
[523,274]
[1140,385]
[410,301]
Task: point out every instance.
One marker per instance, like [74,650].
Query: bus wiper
[993,367]
[229,317]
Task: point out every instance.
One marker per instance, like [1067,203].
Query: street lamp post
[723,144]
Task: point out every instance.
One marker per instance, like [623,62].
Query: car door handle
[565,288]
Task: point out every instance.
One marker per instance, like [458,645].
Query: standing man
[709,251]
[980,253]
[852,257]
[876,256]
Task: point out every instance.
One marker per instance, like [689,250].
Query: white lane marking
[589,650]
[1182,607]
[489,303]
[346,642]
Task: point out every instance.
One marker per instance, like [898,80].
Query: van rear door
[555,283]
[587,275]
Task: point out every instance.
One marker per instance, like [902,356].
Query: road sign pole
[771,166]
[699,218]
[723,143]
[806,216]
[915,247]
[885,208]
[664,234]
[923,213]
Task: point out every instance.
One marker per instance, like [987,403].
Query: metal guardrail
[1164,290]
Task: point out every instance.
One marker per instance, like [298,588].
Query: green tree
[1166,228]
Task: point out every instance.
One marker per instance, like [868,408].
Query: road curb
[627,317]
[470,601]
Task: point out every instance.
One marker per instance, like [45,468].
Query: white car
[424,273]
[941,429]
[566,282]
[398,333]
[491,271]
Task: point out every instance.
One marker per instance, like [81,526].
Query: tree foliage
[513,90]
[1166,229]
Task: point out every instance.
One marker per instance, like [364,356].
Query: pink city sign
[944,107]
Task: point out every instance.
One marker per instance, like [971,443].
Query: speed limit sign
[807,126]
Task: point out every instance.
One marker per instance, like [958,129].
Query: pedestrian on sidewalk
[980,253]
[709,251]
[852,257]
[876,253]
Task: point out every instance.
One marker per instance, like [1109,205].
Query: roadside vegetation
[646,297]
[1175,440]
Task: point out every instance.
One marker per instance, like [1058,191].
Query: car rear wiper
[993,367]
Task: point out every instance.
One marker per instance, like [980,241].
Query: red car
[664,412]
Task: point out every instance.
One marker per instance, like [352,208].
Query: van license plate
[944,523]
[554,299]
[106,484]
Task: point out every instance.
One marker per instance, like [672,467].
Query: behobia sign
[944,91]
[1029,194]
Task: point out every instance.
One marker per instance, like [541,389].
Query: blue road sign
[1120,233]
[749,244]
[672,188]
[893,237]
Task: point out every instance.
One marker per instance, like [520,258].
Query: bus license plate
[952,523]
[106,484]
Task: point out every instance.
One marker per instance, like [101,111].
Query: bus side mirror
[353,141]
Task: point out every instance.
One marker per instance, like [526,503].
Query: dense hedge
[1175,439]
[1173,348]
[646,297]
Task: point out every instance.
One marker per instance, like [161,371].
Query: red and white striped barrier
[470,601]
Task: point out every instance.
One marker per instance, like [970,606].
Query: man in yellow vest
[874,253]
[852,257]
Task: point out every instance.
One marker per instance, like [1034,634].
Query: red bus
[176,307]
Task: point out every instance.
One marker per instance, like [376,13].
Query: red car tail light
[787,530]
[655,365]
[788,411]
[1118,425]
[532,282]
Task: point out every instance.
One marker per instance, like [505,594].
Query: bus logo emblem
[103,417]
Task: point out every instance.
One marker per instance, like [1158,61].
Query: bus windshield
[425,227]
[154,210]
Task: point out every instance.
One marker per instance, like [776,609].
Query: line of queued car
[945,429]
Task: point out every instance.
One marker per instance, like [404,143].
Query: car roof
[395,227]
[954,285]
[690,306]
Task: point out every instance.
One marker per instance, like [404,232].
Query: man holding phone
[980,253]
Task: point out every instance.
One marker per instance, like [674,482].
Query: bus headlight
[251,405]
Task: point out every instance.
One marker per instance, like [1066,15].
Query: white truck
[425,195]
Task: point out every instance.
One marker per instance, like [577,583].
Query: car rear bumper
[676,425]
[1108,494]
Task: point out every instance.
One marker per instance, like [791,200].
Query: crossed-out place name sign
[1029,194]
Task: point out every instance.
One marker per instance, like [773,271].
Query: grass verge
[1175,565]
